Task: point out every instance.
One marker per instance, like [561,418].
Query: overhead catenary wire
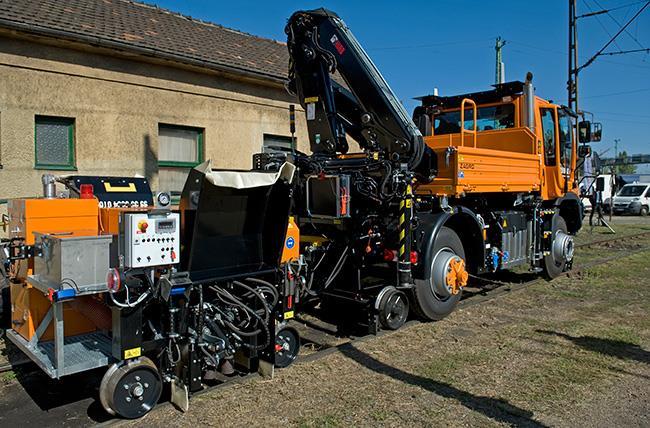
[595,14]
[611,40]
[646,50]
[618,23]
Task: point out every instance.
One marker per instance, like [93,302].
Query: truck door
[554,182]
[566,149]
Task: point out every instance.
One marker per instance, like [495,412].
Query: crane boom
[321,47]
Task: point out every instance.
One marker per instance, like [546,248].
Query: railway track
[321,339]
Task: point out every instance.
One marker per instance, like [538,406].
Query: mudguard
[427,230]
[572,210]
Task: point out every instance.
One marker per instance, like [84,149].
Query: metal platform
[80,353]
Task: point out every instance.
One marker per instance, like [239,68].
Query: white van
[633,199]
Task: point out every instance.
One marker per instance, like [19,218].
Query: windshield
[488,118]
[632,190]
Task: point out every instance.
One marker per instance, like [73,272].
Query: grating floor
[83,352]
[79,350]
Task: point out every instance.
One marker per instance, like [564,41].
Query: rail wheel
[130,389]
[436,296]
[287,346]
[393,307]
[562,248]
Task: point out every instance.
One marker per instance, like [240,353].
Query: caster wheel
[393,307]
[130,389]
[287,346]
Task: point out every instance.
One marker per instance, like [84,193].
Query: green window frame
[70,165]
[199,148]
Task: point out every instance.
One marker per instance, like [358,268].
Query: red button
[173,255]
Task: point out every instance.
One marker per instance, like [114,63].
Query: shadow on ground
[614,348]
[494,408]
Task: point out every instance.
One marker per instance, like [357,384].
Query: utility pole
[616,141]
[572,84]
[499,75]
[574,68]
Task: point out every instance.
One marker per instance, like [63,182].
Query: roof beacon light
[86,191]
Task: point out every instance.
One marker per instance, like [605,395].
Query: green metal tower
[499,75]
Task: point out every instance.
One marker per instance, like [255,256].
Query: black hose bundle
[239,316]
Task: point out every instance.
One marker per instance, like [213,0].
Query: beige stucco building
[94,87]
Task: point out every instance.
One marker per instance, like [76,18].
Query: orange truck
[505,193]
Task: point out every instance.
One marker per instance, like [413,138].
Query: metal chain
[493,281]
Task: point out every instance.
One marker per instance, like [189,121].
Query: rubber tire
[644,211]
[425,304]
[551,269]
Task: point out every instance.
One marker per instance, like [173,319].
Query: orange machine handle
[462,122]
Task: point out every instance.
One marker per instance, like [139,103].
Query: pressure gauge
[163,199]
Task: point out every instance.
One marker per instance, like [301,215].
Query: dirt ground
[572,352]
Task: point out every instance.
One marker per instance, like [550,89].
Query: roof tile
[139,26]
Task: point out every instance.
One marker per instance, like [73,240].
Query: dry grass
[549,354]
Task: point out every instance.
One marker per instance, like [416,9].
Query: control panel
[151,240]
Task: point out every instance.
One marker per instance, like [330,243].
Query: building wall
[117,103]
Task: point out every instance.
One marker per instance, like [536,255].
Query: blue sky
[419,45]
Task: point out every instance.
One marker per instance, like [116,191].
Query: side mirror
[584,131]
[589,132]
[597,132]
[584,151]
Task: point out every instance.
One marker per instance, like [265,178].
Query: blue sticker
[461,174]
[290,242]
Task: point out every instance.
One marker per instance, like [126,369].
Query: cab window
[566,138]
[487,119]
[548,131]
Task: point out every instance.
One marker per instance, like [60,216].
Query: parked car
[633,199]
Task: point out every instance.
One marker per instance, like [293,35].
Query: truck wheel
[130,388]
[436,296]
[561,250]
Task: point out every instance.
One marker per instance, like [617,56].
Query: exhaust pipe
[49,186]
[529,102]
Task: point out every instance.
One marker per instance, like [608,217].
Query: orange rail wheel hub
[457,275]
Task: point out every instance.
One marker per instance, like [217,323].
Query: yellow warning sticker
[110,188]
[505,223]
[288,315]
[132,353]
[409,203]
[311,100]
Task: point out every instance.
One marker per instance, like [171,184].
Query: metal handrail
[462,122]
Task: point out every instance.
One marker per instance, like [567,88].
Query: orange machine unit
[27,216]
